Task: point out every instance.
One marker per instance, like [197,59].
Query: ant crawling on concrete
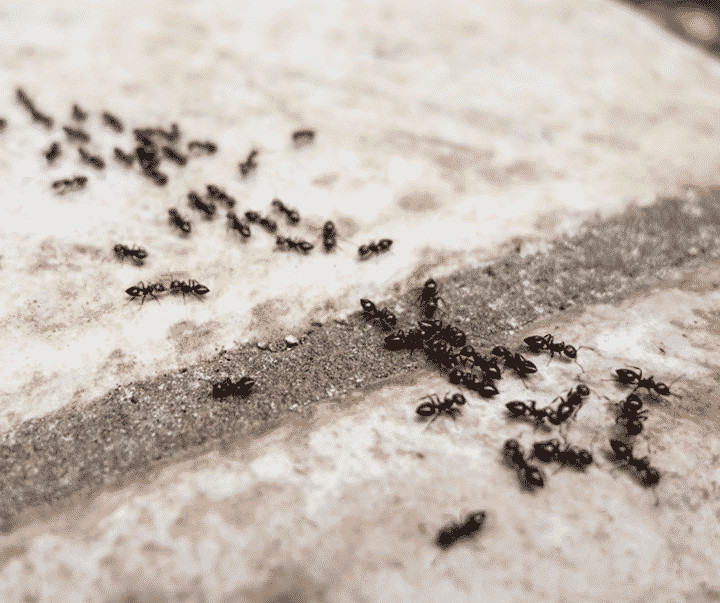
[646,474]
[410,340]
[551,451]
[630,377]
[218,194]
[569,406]
[196,202]
[188,287]
[436,329]
[385,317]
[429,298]
[137,254]
[69,184]
[237,225]
[329,236]
[228,387]
[454,531]
[449,406]
[249,164]
[179,222]
[174,156]
[53,152]
[531,477]
[286,244]
[482,385]
[303,137]
[125,158]
[365,251]
[516,362]
[36,115]
[76,134]
[94,160]
[488,366]
[521,410]
[537,344]
[113,122]
[144,291]
[631,416]
[202,146]
[266,223]
[292,215]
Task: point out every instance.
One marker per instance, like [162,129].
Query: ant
[517,362]
[551,451]
[647,474]
[53,152]
[249,164]
[537,344]
[429,298]
[628,377]
[188,287]
[482,385]
[94,160]
[179,222]
[329,236]
[292,214]
[76,134]
[228,387]
[78,114]
[204,147]
[141,289]
[531,476]
[218,194]
[488,366]
[521,410]
[449,406]
[365,251]
[138,254]
[385,317]
[266,223]
[36,115]
[3,124]
[412,340]
[197,203]
[123,157]
[174,156]
[435,328]
[453,532]
[631,415]
[69,184]
[303,137]
[569,407]
[286,244]
[113,122]
[157,177]
[237,225]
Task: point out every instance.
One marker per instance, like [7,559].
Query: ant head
[662,389]
[133,291]
[535,342]
[458,399]
[487,389]
[517,408]
[627,376]
[294,216]
[277,203]
[119,248]
[305,247]
[366,304]
[455,376]
[633,427]
[633,402]
[582,390]
[253,216]
[430,285]
[200,289]
[511,445]
[650,477]
[621,449]
[328,228]
[384,244]
[477,518]
[501,351]
[533,477]
[570,351]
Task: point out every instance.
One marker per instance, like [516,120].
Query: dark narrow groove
[133,429]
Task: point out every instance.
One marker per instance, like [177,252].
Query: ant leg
[432,421]
[580,365]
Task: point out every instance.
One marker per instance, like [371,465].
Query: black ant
[76,134]
[365,251]
[174,156]
[188,287]
[237,225]
[450,333]
[292,214]
[516,362]
[53,152]
[329,236]
[647,474]
[488,366]
[266,223]
[449,406]
[218,194]
[569,407]
[113,122]
[521,410]
[36,115]
[631,415]
[551,451]
[94,160]
[385,317]
[3,124]
[137,254]
[197,203]
[249,164]
[179,222]
[286,244]
[123,157]
[453,532]
[412,340]
[537,344]
[429,298]
[228,387]
[78,114]
[69,184]
[531,476]
[141,289]
[303,137]
[481,385]
[629,377]
[157,177]
[204,147]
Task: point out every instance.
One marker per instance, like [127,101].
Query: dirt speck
[418,202]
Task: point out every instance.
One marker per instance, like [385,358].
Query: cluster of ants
[445,346]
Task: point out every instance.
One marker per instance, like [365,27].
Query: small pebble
[291,341]
[263,345]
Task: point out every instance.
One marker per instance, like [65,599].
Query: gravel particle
[291,341]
